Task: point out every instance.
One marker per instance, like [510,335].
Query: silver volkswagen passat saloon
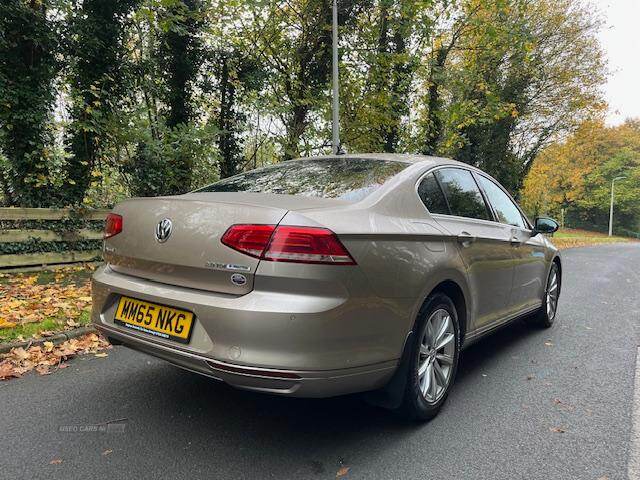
[326,276]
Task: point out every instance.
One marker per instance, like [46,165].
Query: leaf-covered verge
[33,305]
[571,238]
[47,358]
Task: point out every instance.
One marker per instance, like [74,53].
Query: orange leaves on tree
[577,172]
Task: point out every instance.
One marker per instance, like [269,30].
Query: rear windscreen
[344,178]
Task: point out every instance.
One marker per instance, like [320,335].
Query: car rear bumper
[317,347]
[296,383]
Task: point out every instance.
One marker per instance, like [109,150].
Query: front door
[527,251]
[530,270]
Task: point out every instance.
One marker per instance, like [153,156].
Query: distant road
[528,404]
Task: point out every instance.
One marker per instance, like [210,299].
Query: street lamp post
[335,141]
[611,206]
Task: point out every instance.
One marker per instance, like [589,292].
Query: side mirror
[545,225]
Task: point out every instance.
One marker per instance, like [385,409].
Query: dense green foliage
[97,71]
[28,45]
[178,57]
[67,226]
[161,96]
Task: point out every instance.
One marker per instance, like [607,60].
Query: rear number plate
[158,320]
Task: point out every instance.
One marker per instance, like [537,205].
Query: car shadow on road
[204,411]
[492,349]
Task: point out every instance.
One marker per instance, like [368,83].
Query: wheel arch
[390,396]
[558,262]
[452,290]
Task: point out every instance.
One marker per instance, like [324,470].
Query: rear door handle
[466,238]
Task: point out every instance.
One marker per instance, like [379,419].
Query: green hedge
[35,245]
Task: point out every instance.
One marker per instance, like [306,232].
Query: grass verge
[44,303]
[571,238]
[46,327]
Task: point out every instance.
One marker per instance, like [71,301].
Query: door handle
[465,238]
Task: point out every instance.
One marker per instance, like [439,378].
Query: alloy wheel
[553,293]
[435,361]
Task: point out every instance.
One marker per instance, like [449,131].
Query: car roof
[397,157]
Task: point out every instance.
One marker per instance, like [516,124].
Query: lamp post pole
[335,143]
[611,206]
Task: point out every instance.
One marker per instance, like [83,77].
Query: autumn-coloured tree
[575,176]
[521,73]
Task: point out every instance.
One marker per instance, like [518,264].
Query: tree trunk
[226,140]
[434,121]
[398,91]
[182,57]
[295,129]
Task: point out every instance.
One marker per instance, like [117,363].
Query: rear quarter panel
[402,254]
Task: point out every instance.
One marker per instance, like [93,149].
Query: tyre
[547,314]
[434,355]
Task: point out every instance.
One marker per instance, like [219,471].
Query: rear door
[483,243]
[528,252]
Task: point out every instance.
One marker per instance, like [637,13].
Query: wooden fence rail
[12,235]
[18,213]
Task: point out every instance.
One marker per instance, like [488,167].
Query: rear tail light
[112,225]
[249,239]
[306,245]
[288,244]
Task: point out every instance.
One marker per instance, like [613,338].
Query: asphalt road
[515,391]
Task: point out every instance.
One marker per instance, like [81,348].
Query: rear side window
[344,178]
[463,194]
[431,195]
[505,209]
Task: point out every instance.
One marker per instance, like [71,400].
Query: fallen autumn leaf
[342,471]
[43,369]
[18,360]
[6,324]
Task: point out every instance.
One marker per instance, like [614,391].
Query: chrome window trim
[522,214]
[440,167]
[417,190]
[489,223]
[473,171]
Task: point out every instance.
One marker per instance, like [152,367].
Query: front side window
[344,178]
[431,195]
[503,206]
[463,194]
